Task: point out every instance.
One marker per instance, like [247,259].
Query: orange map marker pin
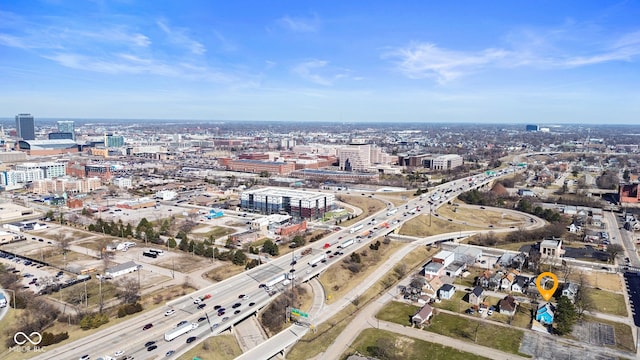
[547,293]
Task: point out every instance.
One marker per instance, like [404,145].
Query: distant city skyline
[573,62]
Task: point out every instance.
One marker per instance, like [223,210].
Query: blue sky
[427,61]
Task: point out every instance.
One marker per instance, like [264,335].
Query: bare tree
[613,250]
[63,240]
[566,270]
[583,301]
[128,290]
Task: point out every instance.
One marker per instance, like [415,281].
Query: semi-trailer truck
[347,243]
[317,259]
[180,330]
[356,228]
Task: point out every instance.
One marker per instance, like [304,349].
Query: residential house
[507,280]
[573,228]
[455,268]
[544,314]
[432,269]
[483,280]
[446,292]
[431,287]
[551,248]
[423,315]
[475,297]
[508,305]
[520,284]
[570,290]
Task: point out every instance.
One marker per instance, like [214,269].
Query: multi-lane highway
[128,336]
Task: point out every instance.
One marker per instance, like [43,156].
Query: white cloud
[310,70]
[179,37]
[299,24]
[426,60]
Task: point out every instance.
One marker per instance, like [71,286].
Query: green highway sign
[297,312]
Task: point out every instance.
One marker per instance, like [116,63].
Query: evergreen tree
[565,316]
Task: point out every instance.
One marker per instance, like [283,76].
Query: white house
[570,290]
[446,291]
[122,269]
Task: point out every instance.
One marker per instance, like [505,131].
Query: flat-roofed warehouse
[297,203]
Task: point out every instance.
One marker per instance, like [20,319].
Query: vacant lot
[623,334]
[608,302]
[224,272]
[460,327]
[481,217]
[57,230]
[184,263]
[374,342]
[207,232]
[422,226]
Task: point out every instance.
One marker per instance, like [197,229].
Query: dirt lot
[182,262]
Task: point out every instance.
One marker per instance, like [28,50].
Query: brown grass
[182,262]
[479,217]
[221,347]
[338,280]
[419,226]
[224,272]
[367,205]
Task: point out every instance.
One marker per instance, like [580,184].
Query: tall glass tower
[25,127]
[67,126]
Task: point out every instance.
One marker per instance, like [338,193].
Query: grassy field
[481,217]
[218,231]
[419,226]
[314,343]
[622,333]
[221,347]
[598,279]
[338,280]
[184,263]
[367,205]
[372,342]
[224,272]
[608,302]
[460,327]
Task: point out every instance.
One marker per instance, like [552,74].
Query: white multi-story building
[122,183]
[66,184]
[50,170]
[446,162]
[15,177]
[300,204]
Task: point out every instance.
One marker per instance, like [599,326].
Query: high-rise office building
[67,126]
[25,126]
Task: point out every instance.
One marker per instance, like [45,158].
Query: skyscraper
[25,127]
[67,126]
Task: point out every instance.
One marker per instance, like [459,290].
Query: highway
[129,336]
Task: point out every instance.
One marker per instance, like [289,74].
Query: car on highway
[147,327]
[215,326]
[236,305]
[217,307]
[202,305]
[152,347]
[191,339]
[118,353]
[169,353]
[224,319]
[84,357]
[237,312]
[251,303]
[169,312]
[201,319]
[220,313]
[149,343]
[182,323]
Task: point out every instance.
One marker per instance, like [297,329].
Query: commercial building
[136,204]
[629,193]
[111,140]
[67,127]
[360,157]
[297,203]
[65,185]
[335,176]
[60,135]
[446,162]
[25,127]
[430,161]
[122,269]
[257,166]
[48,147]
